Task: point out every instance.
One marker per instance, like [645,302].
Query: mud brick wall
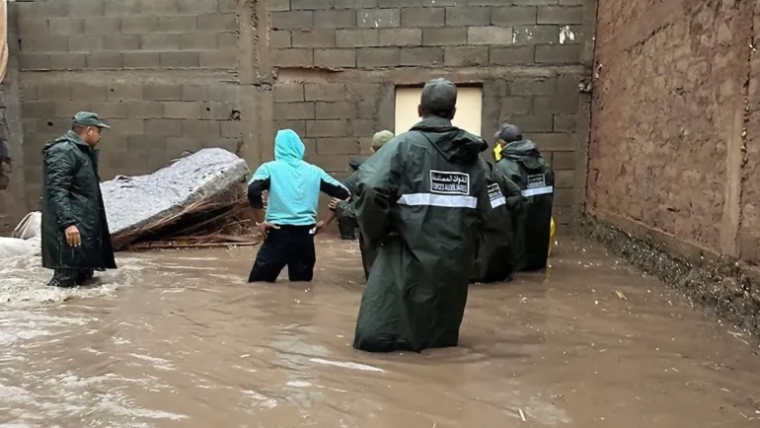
[160,72]
[338,64]
[675,146]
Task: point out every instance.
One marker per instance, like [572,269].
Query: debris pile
[25,239]
[199,200]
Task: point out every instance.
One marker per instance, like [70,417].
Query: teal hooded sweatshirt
[293,184]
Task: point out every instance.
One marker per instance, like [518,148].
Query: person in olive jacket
[75,237]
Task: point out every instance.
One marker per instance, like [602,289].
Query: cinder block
[232,145]
[104,25]
[293,57]
[201,128]
[289,92]
[38,26]
[232,128]
[317,38]
[65,26]
[558,54]
[324,92]
[223,58]
[310,4]
[104,60]
[145,109]
[225,6]
[66,109]
[423,17]
[362,128]
[278,5]
[53,92]
[378,18]
[120,7]
[279,39]
[564,179]
[530,123]
[366,109]
[354,4]
[121,42]
[68,61]
[399,3]
[44,44]
[334,19]
[560,15]
[34,61]
[227,40]
[536,34]
[356,92]
[138,143]
[197,41]
[489,35]
[181,59]
[141,59]
[511,55]
[158,42]
[444,36]
[335,58]
[109,110]
[218,22]
[467,16]
[195,93]
[86,8]
[337,146]
[139,24]
[85,43]
[331,163]
[327,128]
[298,126]
[124,92]
[568,84]
[465,56]
[356,38]
[563,160]
[158,92]
[421,56]
[513,15]
[176,145]
[534,2]
[184,110]
[565,123]
[487,2]
[556,104]
[42,9]
[294,111]
[335,110]
[88,92]
[532,86]
[515,105]
[195,7]
[441,3]
[378,57]
[400,37]
[177,24]
[296,20]
[37,109]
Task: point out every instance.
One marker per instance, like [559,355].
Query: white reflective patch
[495,203]
[435,200]
[545,190]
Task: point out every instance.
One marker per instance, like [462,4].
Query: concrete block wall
[162,73]
[338,63]
[180,75]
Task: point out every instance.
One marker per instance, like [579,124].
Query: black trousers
[70,277]
[291,246]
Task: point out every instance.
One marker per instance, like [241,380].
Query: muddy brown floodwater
[177,339]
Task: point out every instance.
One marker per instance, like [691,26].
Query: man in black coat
[75,236]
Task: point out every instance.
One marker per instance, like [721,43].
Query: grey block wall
[340,62]
[173,76]
[161,72]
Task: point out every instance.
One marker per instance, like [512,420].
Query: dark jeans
[291,246]
[67,277]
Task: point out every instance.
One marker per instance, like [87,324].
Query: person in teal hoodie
[290,221]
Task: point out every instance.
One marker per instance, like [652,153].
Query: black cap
[509,133]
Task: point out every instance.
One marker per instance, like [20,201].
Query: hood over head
[68,136]
[523,151]
[288,146]
[456,145]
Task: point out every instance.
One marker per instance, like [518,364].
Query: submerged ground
[176,339]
